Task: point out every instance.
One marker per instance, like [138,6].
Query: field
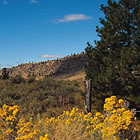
[116,123]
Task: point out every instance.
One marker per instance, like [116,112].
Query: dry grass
[137,125]
[80,75]
[69,133]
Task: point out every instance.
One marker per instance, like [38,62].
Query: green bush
[36,97]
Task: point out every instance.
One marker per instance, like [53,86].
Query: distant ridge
[62,68]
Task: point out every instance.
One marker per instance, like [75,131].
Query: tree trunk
[88,96]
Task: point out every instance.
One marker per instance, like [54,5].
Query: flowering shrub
[26,130]
[116,123]
[8,122]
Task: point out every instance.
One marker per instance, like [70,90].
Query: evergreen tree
[115,59]
[5,74]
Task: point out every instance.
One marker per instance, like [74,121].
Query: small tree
[5,74]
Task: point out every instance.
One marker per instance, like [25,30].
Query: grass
[80,75]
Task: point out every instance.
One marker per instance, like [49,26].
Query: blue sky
[38,30]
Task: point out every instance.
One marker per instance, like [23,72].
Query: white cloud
[33,1]
[49,56]
[73,17]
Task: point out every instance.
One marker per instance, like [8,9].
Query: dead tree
[88,96]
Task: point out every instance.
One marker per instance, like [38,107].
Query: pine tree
[5,74]
[115,59]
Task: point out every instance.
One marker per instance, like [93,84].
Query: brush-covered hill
[48,95]
[69,67]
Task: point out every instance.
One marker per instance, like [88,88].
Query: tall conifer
[114,62]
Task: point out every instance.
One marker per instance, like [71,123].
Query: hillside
[70,67]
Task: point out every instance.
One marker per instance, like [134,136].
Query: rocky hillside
[63,67]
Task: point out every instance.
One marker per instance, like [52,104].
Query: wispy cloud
[5,2]
[33,1]
[49,56]
[73,17]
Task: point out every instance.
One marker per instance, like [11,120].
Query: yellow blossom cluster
[26,130]
[8,121]
[44,138]
[116,123]
[112,103]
